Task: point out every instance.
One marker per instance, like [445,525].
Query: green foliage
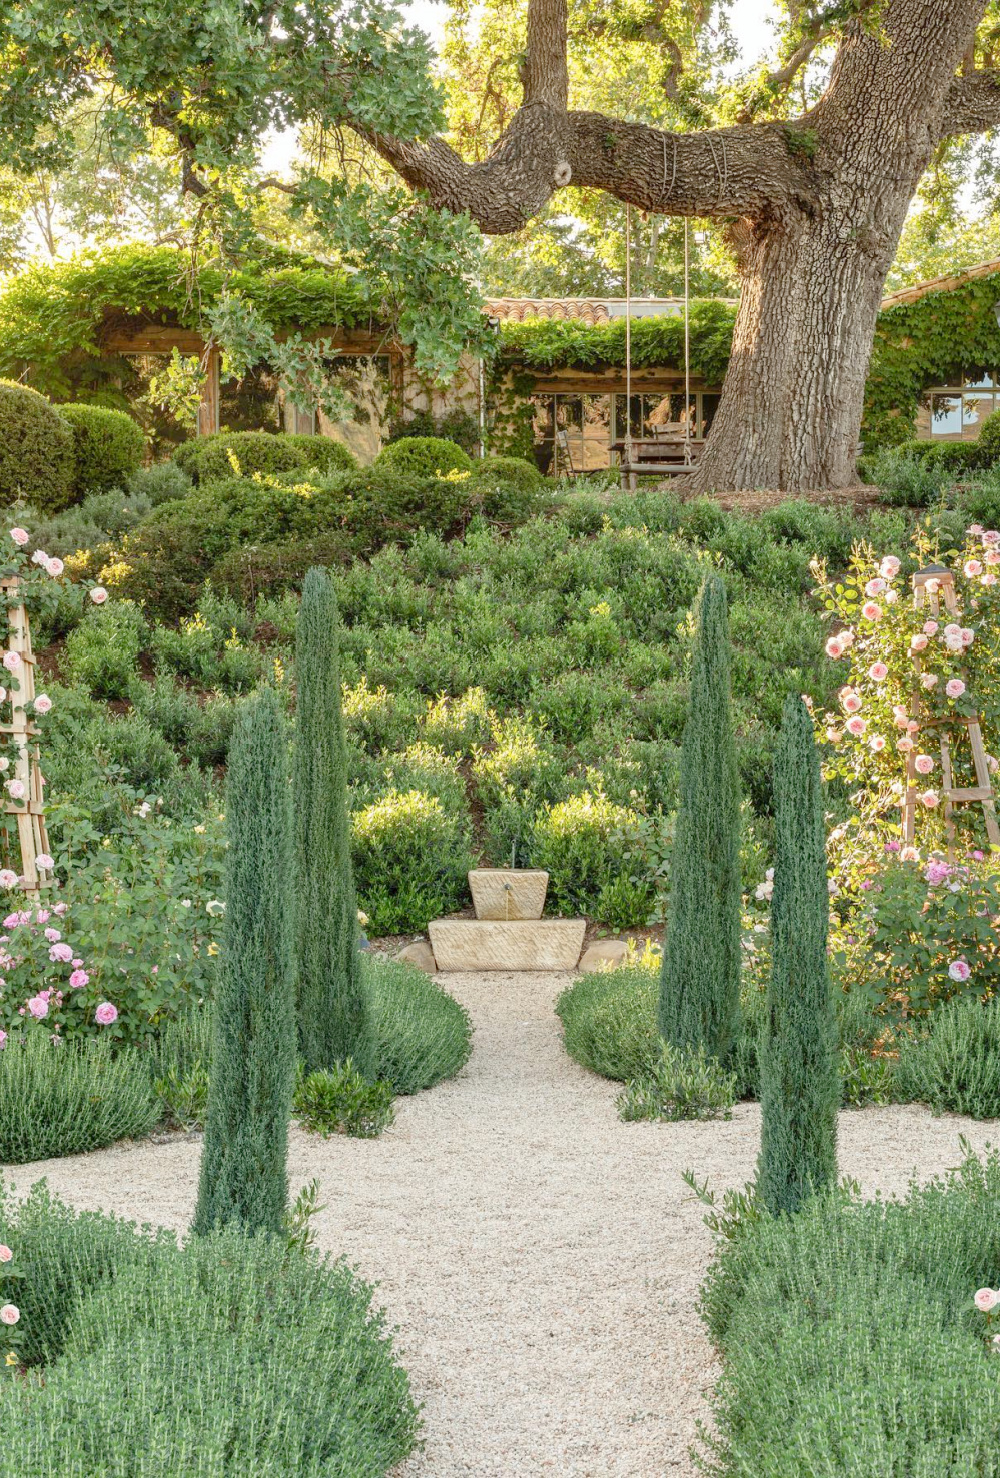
[210,458]
[243,1164]
[65,1098]
[955,1065]
[424,456]
[160,483]
[36,450]
[700,987]
[421,1034]
[800,1093]
[609,1020]
[332,1015]
[411,860]
[180,1055]
[107,447]
[102,653]
[682,1085]
[232,1353]
[904,479]
[849,1339]
[509,489]
[581,843]
[457,426]
[341,1100]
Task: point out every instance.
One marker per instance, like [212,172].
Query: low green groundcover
[229,1355]
[851,1345]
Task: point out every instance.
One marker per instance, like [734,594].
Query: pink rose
[955,688]
[960,970]
[871,610]
[975,529]
[39,557]
[20,537]
[923,764]
[930,799]
[43,703]
[991,536]
[918,642]
[12,661]
[38,1006]
[889,567]
[98,595]
[928,679]
[106,1014]
[909,854]
[5,1253]
[878,672]
[876,743]
[59,909]
[53,935]
[850,700]
[834,735]
[968,636]
[930,627]
[44,861]
[972,568]
[54,567]
[78,979]
[993,556]
[905,744]
[9,1314]
[937,872]
[875,587]
[15,789]
[8,879]
[61,954]
[834,648]
[856,725]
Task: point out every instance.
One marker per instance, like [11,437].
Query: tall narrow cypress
[700,982]
[244,1154]
[800,1087]
[332,1007]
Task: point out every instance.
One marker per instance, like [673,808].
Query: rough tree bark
[814,208]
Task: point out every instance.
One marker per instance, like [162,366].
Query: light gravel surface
[541,1259]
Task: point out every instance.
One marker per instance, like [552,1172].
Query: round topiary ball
[36,449]
[109,447]
[424,456]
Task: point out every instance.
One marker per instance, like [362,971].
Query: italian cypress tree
[244,1154]
[333,1013]
[700,982]
[800,1088]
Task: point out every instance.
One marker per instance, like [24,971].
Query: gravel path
[541,1259]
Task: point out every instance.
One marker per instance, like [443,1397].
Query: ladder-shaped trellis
[30,810]
[930,587]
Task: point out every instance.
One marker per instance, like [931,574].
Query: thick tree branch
[972,104]
[546,72]
[716,172]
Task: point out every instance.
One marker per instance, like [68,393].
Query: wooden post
[30,811]
[929,587]
[208,410]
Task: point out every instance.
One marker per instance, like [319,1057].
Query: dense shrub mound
[229,1355]
[107,448]
[36,449]
[424,456]
[422,1034]
[208,458]
[609,1020]
[850,1340]
[67,1098]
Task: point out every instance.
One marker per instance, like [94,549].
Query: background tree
[700,982]
[800,1087]
[333,1014]
[244,1154]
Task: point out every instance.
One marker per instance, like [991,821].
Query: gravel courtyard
[541,1259]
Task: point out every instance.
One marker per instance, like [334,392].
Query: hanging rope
[687,349]
[627,449]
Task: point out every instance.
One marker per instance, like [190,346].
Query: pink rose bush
[43,980]
[10,1314]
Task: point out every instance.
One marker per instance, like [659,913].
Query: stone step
[486,944]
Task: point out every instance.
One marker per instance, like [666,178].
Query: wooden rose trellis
[20,743]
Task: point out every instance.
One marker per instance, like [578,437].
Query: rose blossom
[61,953]
[991,536]
[936,872]
[975,529]
[993,556]
[98,595]
[9,1314]
[923,764]
[834,648]
[928,679]
[38,1006]
[850,700]
[930,627]
[43,703]
[889,567]
[59,909]
[39,557]
[876,743]
[959,970]
[8,878]
[918,642]
[878,672]
[905,744]
[78,979]
[53,936]
[12,661]
[871,610]
[15,789]
[834,735]
[856,725]
[54,566]
[971,568]
[5,1253]
[912,727]
[20,536]
[106,1014]
[44,860]
[955,688]
[909,854]
[930,799]
[985,1300]
[875,587]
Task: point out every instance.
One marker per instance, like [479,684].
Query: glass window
[976,406]
[946,415]
[975,379]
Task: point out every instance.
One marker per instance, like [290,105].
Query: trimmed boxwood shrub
[421,1034]
[36,449]
[107,447]
[232,1354]
[424,456]
[207,458]
[411,860]
[69,1097]
[581,843]
[508,489]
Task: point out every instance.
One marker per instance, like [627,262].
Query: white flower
[8,879]
[215,907]
[44,860]
[185,903]
[39,557]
